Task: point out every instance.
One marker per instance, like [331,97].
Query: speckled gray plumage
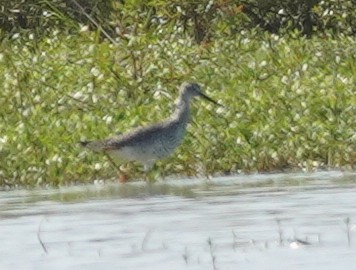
[156,141]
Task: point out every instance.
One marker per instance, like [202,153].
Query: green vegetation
[201,20]
[290,100]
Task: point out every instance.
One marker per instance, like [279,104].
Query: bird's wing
[137,136]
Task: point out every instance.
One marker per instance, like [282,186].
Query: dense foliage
[201,20]
[289,100]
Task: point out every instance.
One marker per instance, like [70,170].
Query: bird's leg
[146,168]
[122,175]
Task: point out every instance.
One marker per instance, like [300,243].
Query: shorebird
[156,141]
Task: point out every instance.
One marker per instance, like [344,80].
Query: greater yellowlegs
[156,141]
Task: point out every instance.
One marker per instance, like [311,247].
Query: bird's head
[190,90]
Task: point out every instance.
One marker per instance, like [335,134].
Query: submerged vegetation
[289,99]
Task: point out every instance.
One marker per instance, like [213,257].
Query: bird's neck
[181,112]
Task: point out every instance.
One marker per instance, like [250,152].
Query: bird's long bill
[210,99]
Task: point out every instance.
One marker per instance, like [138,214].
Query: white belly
[143,155]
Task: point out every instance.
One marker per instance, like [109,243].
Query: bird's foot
[123,177]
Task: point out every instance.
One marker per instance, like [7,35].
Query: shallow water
[273,221]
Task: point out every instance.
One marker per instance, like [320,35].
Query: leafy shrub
[199,20]
[306,16]
[289,103]
[42,17]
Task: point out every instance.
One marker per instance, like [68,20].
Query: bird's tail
[92,145]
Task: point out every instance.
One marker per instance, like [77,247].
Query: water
[295,221]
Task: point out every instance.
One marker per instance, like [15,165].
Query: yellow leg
[122,176]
